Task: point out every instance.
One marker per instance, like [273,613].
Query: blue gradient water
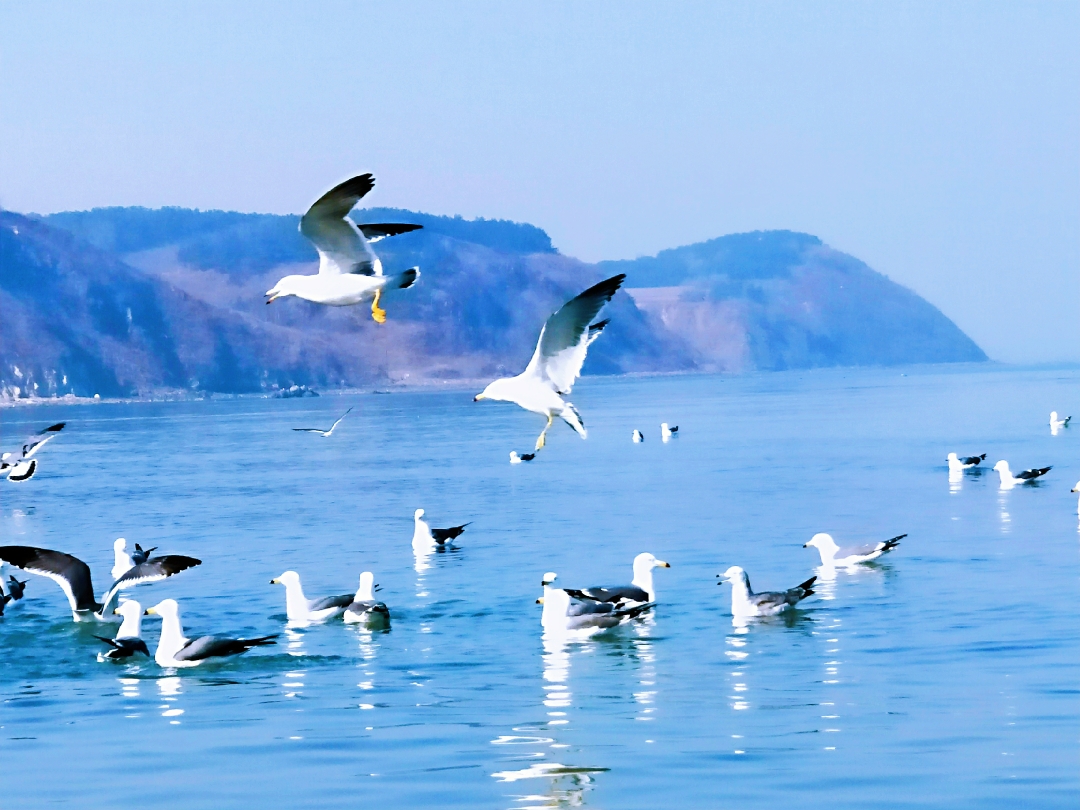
[945,676]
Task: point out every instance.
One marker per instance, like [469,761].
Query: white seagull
[20,465]
[174,650]
[564,614]
[516,458]
[556,363]
[426,538]
[667,433]
[956,463]
[1056,424]
[638,436]
[640,590]
[349,271]
[745,603]
[834,555]
[364,609]
[326,434]
[1009,480]
[122,562]
[1077,489]
[301,609]
[128,640]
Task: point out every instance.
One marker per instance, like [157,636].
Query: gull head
[129,609]
[501,390]
[286,579]
[731,575]
[822,542]
[366,586]
[1053,416]
[646,562]
[290,285]
[1076,488]
[165,608]
[953,458]
[419,513]
[119,544]
[1002,466]
[549,577]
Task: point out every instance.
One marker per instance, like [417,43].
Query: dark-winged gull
[322,431]
[837,556]
[1008,480]
[745,603]
[425,537]
[516,458]
[1056,424]
[965,462]
[564,614]
[174,650]
[667,432]
[301,609]
[364,609]
[20,465]
[556,363]
[128,640]
[349,271]
[73,577]
[637,436]
[639,591]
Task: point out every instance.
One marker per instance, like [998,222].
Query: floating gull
[128,640]
[1077,489]
[517,459]
[325,433]
[174,650]
[122,561]
[363,608]
[556,363]
[834,555]
[964,463]
[1009,480]
[349,271]
[425,537]
[301,609]
[640,589]
[73,577]
[20,465]
[1056,423]
[667,432]
[745,603]
[564,614]
[638,436]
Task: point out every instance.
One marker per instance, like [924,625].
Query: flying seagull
[667,432]
[20,465]
[349,271]
[425,537]
[834,555]
[174,650]
[73,577]
[746,603]
[325,433]
[363,609]
[556,363]
[301,609]
[956,463]
[516,458]
[1008,480]
[562,613]
[640,589]
[128,640]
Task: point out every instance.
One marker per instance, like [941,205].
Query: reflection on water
[831,678]
[129,688]
[368,648]
[956,480]
[169,689]
[1003,512]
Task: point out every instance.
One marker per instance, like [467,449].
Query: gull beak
[273,296]
[806,544]
[273,581]
[540,601]
[116,611]
[478,397]
[152,611]
[662,564]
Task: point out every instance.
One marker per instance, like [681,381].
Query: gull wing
[341,245]
[34,443]
[375,231]
[443,535]
[630,593]
[565,338]
[218,646]
[1032,474]
[153,570]
[342,601]
[70,573]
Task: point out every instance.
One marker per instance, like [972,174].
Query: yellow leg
[543,434]
[377,314]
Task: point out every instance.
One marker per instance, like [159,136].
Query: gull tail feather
[571,416]
[403,281]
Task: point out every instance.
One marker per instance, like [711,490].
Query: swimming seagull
[349,271]
[174,650]
[363,609]
[1077,489]
[556,363]
[834,555]
[122,561]
[1026,477]
[20,465]
[964,463]
[425,537]
[128,640]
[73,577]
[667,433]
[517,459]
[640,589]
[746,603]
[562,613]
[325,433]
[638,436]
[301,609]
[1056,423]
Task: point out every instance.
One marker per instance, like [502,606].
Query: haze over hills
[132,301]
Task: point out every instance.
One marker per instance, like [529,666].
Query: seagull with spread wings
[349,271]
[20,465]
[326,434]
[557,361]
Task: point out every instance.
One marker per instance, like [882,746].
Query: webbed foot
[378,314]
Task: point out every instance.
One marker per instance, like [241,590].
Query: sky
[938,142]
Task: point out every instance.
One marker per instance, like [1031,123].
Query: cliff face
[123,302]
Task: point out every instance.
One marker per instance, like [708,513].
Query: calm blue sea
[946,676]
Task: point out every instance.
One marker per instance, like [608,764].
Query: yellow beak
[540,601]
[478,397]
[662,564]
[151,611]
[274,582]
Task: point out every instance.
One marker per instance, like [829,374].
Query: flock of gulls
[350,273]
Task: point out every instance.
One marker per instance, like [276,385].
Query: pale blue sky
[939,142]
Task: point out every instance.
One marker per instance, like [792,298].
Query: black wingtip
[806,585]
[55,428]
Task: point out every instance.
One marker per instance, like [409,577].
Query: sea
[947,674]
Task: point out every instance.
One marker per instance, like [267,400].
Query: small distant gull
[517,459]
[322,431]
[638,436]
[745,603]
[1077,489]
[556,363]
[363,609]
[562,613]
[174,650]
[834,555]
[667,432]
[1056,423]
[301,609]
[1025,477]
[956,463]
[73,577]
[639,591]
[349,271]
[20,465]
[128,640]
[425,537]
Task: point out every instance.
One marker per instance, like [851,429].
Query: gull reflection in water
[169,689]
[831,678]
[1003,511]
[368,650]
[129,688]
[956,480]
[645,655]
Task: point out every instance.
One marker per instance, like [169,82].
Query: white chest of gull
[836,556]
[364,609]
[563,614]
[73,577]
[746,604]
[175,650]
[128,640]
[1008,480]
[349,271]
[557,361]
[301,609]
[325,433]
[20,465]
[957,463]
[426,538]
[640,590]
